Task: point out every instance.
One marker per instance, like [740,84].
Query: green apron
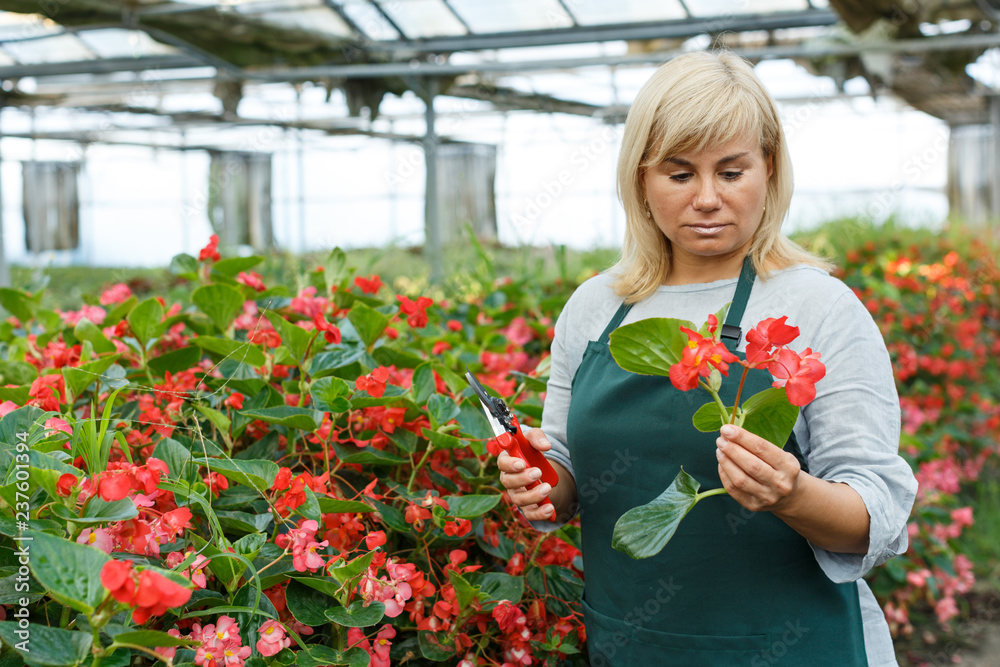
[732,587]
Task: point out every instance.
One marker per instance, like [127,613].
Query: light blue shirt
[849,433]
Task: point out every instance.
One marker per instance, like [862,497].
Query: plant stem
[711,492]
[739,392]
[416,469]
[718,401]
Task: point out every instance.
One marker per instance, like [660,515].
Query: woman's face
[708,204]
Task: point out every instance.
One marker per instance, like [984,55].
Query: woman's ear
[770,166]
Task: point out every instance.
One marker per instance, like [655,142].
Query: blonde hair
[694,101]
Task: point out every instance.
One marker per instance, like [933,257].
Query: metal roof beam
[616,32]
[100,66]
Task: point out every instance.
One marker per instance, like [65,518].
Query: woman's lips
[707,230]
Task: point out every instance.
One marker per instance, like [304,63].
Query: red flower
[699,357]
[48,391]
[415,310]
[269,338]
[370,285]
[235,401]
[282,480]
[252,280]
[216,483]
[798,374]
[454,325]
[416,516]
[116,576]
[768,334]
[376,538]
[155,594]
[114,485]
[374,382]
[65,484]
[457,527]
[210,251]
[330,332]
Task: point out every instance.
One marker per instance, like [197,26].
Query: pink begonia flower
[117,293]
[210,654]
[272,639]
[308,559]
[168,652]
[7,407]
[96,537]
[235,655]
[58,424]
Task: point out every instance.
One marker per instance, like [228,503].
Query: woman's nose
[707,197]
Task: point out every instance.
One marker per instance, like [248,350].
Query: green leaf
[707,418]
[295,338]
[431,647]
[326,585]
[310,508]
[345,354]
[643,531]
[146,320]
[88,331]
[80,377]
[497,586]
[443,440]
[337,506]
[649,347]
[368,322]
[218,419]
[17,303]
[307,604]
[152,638]
[17,372]
[366,455]
[174,361]
[231,266]
[467,507]
[185,266]
[71,572]
[256,473]
[319,655]
[51,647]
[442,409]
[464,591]
[329,394]
[244,352]
[356,615]
[770,415]
[305,419]
[99,511]
[175,455]
[422,385]
[220,302]
[345,573]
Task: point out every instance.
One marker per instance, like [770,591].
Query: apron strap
[731,332]
[615,321]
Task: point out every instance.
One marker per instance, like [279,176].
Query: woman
[772,572]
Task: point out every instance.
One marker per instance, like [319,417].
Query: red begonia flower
[798,374]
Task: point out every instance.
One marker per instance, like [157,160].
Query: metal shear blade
[488,403]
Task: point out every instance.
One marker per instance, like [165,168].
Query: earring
[649,214]
[765,208]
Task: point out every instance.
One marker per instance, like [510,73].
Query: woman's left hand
[758,475]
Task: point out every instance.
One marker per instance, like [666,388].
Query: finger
[761,448]
[734,478]
[544,512]
[529,497]
[748,461]
[508,463]
[536,437]
[516,480]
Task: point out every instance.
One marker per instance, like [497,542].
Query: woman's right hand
[515,475]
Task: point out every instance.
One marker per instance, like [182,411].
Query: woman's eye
[731,175]
[680,177]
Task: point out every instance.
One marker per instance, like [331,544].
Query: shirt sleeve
[556,409]
[852,430]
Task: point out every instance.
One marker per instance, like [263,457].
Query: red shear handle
[517,445]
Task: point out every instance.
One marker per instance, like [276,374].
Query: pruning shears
[509,436]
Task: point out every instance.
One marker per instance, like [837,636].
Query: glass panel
[61,48]
[599,12]
[369,20]
[511,16]
[741,7]
[423,18]
[5,59]
[114,43]
[320,20]
[24,26]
